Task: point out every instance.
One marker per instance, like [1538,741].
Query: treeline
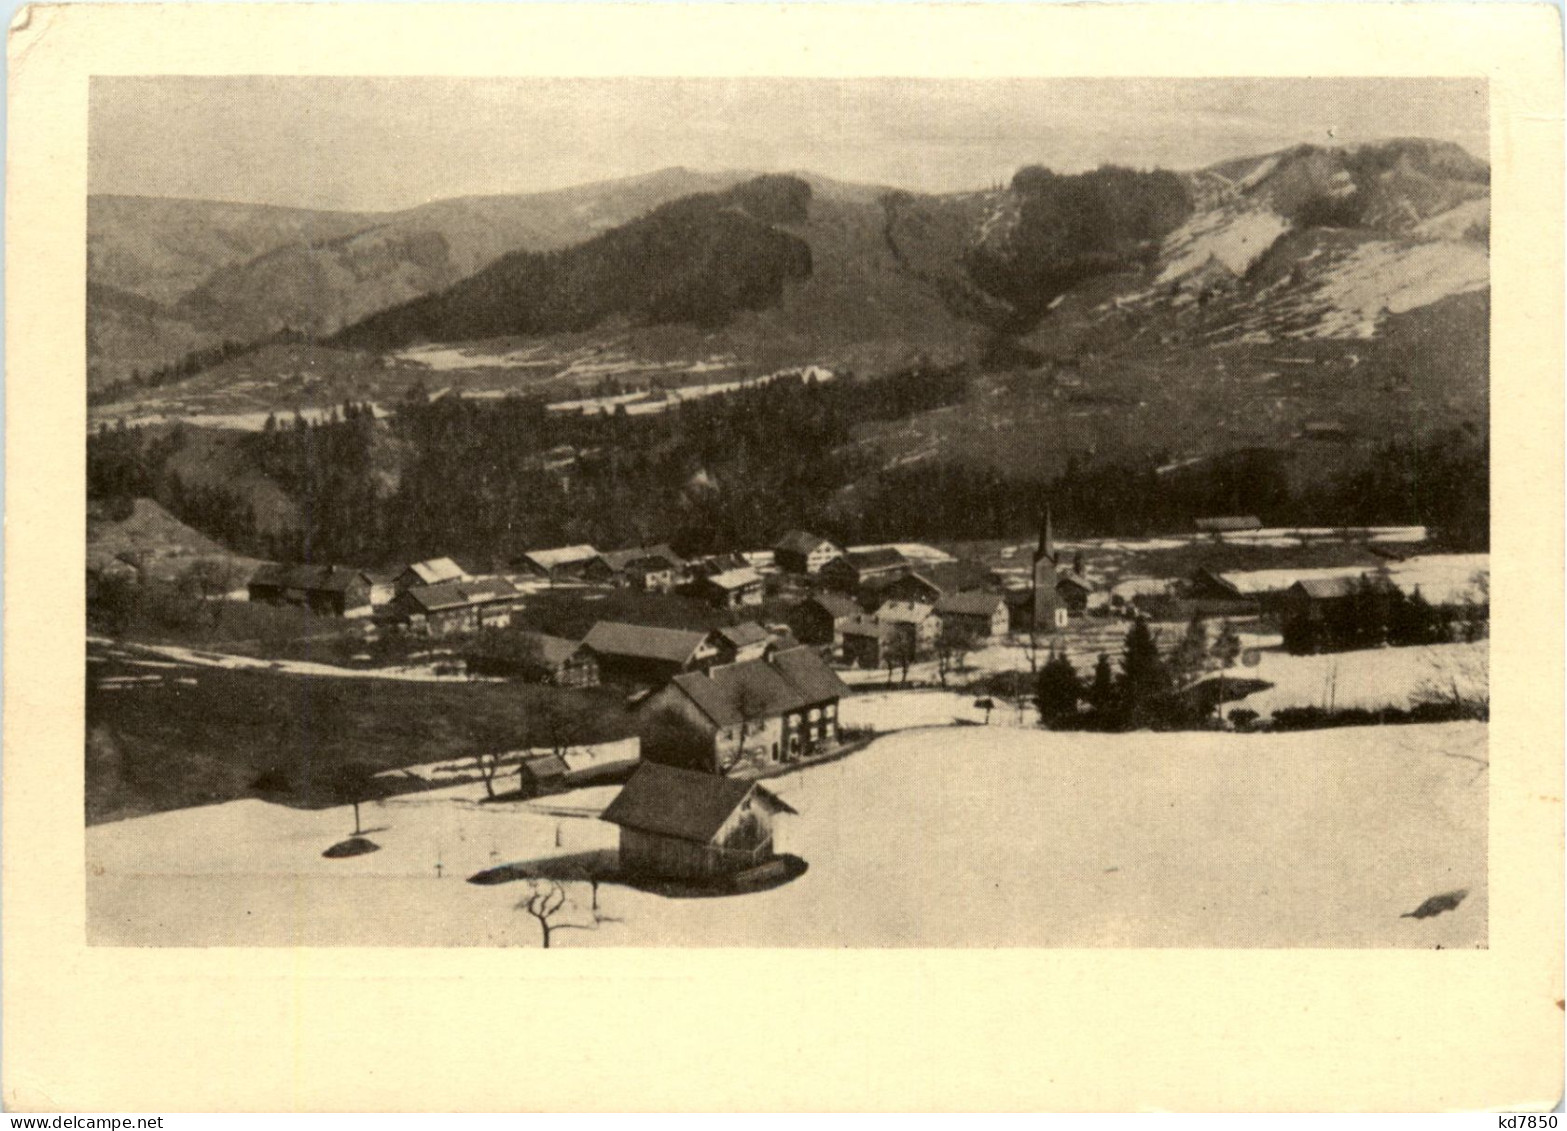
[1441,481]
[700,259]
[1073,227]
[194,362]
[492,479]
[1377,613]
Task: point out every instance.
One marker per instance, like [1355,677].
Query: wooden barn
[431,572]
[327,590]
[731,589]
[679,824]
[819,620]
[800,552]
[865,640]
[849,571]
[640,655]
[983,614]
[565,563]
[651,569]
[451,607]
[744,641]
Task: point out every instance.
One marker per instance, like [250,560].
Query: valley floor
[942,837]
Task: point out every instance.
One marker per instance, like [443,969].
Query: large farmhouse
[731,589]
[799,552]
[451,607]
[820,619]
[683,825]
[652,569]
[982,615]
[645,656]
[564,563]
[431,572]
[328,590]
[745,716]
[849,571]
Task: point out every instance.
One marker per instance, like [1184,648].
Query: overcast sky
[385,143]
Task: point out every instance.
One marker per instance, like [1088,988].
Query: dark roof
[671,645]
[1214,577]
[956,577]
[546,765]
[809,673]
[800,542]
[886,557]
[834,605]
[1224,523]
[553,651]
[682,804]
[455,594]
[1077,580]
[315,578]
[746,632]
[790,680]
[647,557]
[969,604]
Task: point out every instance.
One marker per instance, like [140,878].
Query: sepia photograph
[830,513]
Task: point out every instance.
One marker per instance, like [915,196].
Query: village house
[712,564]
[644,656]
[564,563]
[865,641]
[431,572]
[732,589]
[651,569]
[1214,595]
[819,620]
[572,767]
[982,615]
[745,716]
[848,571]
[678,824]
[452,607]
[914,623]
[537,658]
[914,586]
[800,552]
[326,590]
[744,641]
[1074,589]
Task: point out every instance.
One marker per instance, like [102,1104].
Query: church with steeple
[1057,593]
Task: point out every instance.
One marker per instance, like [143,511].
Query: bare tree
[546,901]
[899,653]
[953,644]
[1029,639]
[353,783]
[489,764]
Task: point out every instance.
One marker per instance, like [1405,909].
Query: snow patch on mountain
[1236,238]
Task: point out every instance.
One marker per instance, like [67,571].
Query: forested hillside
[700,259]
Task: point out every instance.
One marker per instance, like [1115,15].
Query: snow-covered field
[1442,578]
[970,836]
[236,421]
[1378,677]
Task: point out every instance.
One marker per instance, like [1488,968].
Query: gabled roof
[314,578]
[969,604]
[744,633]
[436,570]
[834,605]
[1221,524]
[622,559]
[801,542]
[669,645]
[735,578]
[903,612]
[546,765]
[683,804]
[561,555]
[553,651]
[1215,578]
[1075,580]
[1327,588]
[886,557]
[810,675]
[754,689]
[455,594]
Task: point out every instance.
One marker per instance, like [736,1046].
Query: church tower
[1048,609]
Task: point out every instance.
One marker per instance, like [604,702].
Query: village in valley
[727,684]
[737,559]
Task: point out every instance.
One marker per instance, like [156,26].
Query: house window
[794,745]
[830,710]
[815,714]
[1060,618]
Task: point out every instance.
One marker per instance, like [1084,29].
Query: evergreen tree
[1145,681]
[1057,691]
[1101,693]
